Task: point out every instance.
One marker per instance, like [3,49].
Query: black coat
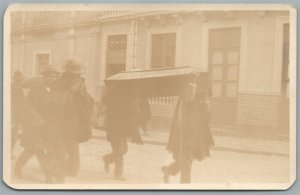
[24,115]
[190,132]
[21,111]
[70,111]
[121,119]
[39,98]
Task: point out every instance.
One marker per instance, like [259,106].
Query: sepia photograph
[149,96]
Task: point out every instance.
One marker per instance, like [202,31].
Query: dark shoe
[166,173]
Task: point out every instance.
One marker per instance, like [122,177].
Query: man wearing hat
[190,136]
[71,110]
[34,135]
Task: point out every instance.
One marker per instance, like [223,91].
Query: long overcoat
[38,98]
[190,132]
[69,118]
[121,120]
[70,111]
[26,116]
[22,112]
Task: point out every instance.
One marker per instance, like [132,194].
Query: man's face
[50,77]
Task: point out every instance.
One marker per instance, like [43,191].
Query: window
[116,54]
[163,50]
[41,60]
[224,61]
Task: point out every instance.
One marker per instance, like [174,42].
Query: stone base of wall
[261,132]
[258,110]
[257,115]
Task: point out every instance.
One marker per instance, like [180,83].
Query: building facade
[246,53]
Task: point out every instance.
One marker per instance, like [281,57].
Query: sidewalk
[222,143]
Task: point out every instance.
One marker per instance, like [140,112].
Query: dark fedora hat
[74,67]
[48,69]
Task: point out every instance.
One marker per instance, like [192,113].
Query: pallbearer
[190,137]
[120,123]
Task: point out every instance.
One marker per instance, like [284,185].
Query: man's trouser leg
[58,160]
[109,158]
[119,149]
[186,168]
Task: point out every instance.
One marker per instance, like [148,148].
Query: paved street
[142,164]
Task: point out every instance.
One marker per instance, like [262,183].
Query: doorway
[224,60]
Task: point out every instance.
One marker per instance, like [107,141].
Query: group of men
[190,136]
[54,118]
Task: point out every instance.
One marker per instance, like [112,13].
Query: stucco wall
[90,45]
[191,42]
[86,49]
[17,59]
[260,54]
[59,53]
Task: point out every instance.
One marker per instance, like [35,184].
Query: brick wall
[258,109]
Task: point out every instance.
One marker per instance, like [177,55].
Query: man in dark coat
[33,137]
[190,136]
[69,121]
[120,123]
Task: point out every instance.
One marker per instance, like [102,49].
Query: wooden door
[224,59]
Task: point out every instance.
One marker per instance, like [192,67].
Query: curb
[217,148]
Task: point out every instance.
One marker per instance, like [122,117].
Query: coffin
[153,83]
